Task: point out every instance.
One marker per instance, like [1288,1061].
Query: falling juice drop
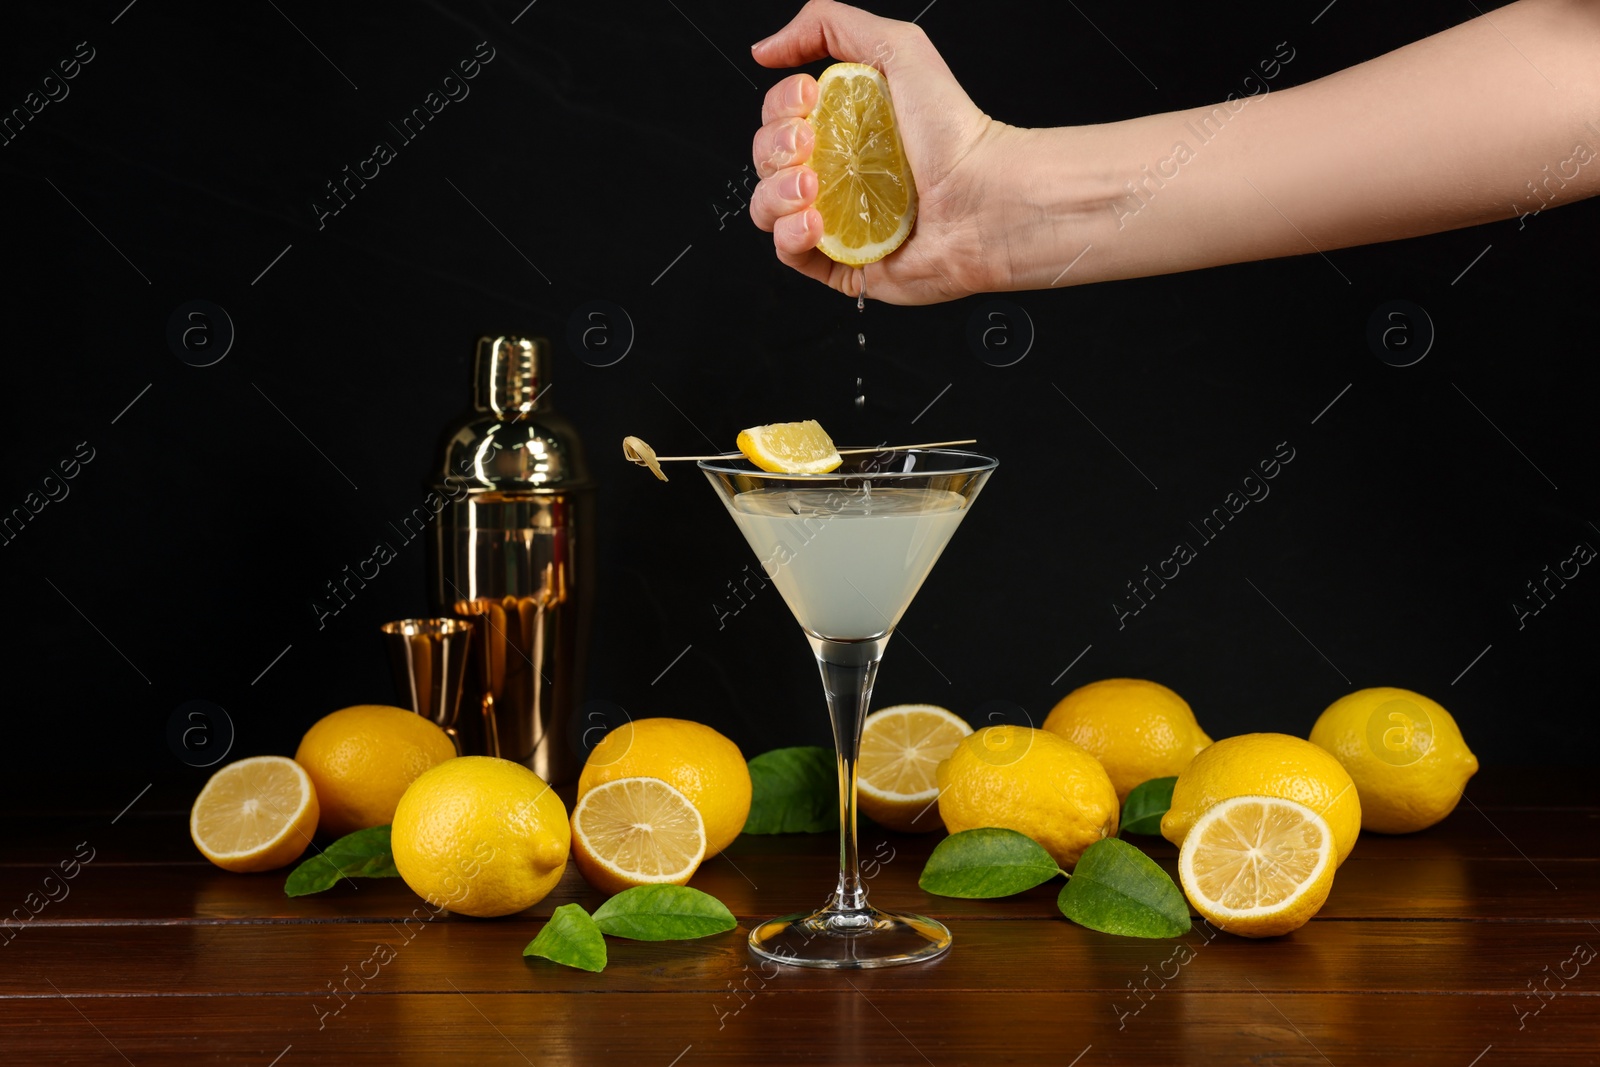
[861,347]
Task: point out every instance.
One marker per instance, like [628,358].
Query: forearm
[1492,119]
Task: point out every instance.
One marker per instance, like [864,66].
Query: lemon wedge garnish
[790,448]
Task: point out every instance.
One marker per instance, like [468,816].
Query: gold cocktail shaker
[513,551]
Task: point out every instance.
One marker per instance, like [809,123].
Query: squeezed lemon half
[865,193]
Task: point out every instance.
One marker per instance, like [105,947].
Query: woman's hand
[948,142]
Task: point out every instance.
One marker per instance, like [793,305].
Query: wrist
[1054,205]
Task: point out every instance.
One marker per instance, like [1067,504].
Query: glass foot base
[849,939]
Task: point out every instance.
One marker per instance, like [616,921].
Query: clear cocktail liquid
[848,563]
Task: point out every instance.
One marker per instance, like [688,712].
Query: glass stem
[848,670]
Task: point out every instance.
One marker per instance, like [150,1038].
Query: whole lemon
[1138,730]
[1030,781]
[692,758]
[481,836]
[361,759]
[1404,752]
[1270,765]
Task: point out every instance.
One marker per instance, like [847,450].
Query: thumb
[824,28]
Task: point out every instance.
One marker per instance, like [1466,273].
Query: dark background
[592,160]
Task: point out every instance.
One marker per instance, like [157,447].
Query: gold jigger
[429,658]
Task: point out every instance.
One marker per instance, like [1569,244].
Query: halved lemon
[1258,866]
[790,448]
[636,831]
[255,814]
[901,748]
[865,193]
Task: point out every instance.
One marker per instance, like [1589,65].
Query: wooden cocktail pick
[636,451]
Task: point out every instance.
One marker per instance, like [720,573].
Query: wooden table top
[1472,944]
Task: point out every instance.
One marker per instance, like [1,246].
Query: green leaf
[978,864]
[663,913]
[1146,804]
[570,938]
[1117,889]
[363,854]
[794,791]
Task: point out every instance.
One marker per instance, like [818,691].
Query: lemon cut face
[1258,866]
[897,782]
[691,757]
[637,831]
[255,814]
[865,193]
[1266,764]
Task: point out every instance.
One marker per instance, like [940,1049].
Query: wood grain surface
[1472,944]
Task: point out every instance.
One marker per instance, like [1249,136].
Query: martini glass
[848,550]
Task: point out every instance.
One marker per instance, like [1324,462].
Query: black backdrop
[597,157]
